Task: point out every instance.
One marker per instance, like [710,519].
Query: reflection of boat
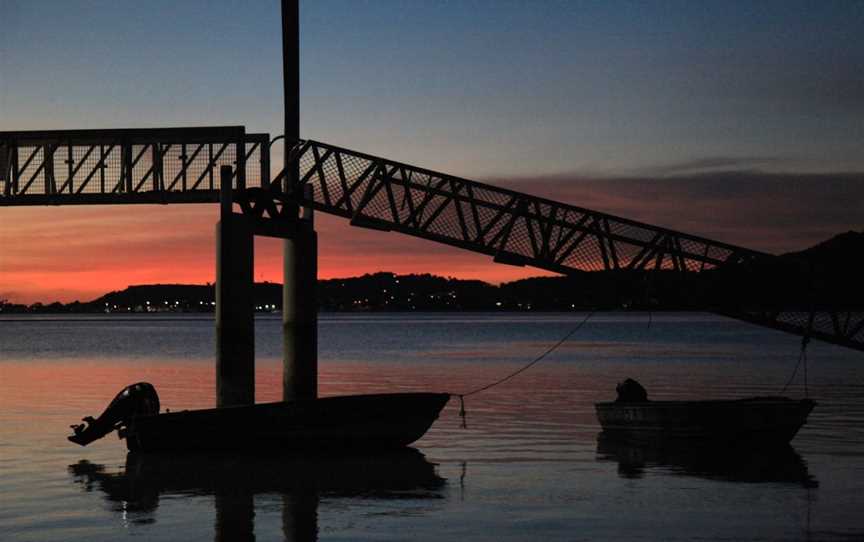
[780,464]
[234,479]
[151,474]
[348,423]
[757,420]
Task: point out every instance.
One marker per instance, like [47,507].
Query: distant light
[147,302]
[498,304]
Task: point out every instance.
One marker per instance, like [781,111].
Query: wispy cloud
[715,164]
[775,212]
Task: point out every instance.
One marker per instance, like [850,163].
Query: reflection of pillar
[235,516]
[235,319]
[299,302]
[300,515]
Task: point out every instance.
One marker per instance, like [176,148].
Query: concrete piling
[235,316]
[300,314]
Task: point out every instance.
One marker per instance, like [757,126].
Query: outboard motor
[136,400]
[630,391]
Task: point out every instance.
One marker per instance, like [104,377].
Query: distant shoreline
[390,293]
[620,289]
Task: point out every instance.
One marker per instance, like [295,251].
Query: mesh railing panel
[526,230]
[70,167]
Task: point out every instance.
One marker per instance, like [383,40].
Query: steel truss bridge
[181,165]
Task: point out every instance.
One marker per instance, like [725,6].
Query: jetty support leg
[235,316]
[300,315]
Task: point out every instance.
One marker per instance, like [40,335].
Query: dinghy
[755,420]
[348,423]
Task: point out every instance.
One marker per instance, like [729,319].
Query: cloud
[774,212]
[712,164]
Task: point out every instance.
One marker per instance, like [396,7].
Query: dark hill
[842,251]
[178,297]
[827,273]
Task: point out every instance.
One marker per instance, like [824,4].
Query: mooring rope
[538,359]
[802,357]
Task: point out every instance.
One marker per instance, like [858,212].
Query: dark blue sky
[483,89]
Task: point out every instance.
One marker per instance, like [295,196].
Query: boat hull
[755,420]
[347,423]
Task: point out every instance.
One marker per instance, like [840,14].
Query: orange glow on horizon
[80,253]
[70,252]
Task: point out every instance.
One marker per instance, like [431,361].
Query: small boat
[756,420]
[349,423]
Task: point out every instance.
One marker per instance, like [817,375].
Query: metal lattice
[128,166]
[520,229]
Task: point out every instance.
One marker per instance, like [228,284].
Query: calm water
[528,465]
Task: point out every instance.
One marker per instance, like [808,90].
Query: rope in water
[802,357]
[538,359]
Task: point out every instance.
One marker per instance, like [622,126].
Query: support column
[300,314]
[235,316]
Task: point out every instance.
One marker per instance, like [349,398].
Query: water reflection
[234,480]
[780,464]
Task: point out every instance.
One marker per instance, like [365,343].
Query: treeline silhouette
[826,274]
[385,291]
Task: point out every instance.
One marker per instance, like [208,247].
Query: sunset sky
[740,121]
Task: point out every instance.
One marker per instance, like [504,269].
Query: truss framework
[181,165]
[521,229]
[128,166]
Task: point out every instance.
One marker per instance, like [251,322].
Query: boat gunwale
[275,405]
[748,402]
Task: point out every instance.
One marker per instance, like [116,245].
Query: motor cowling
[630,391]
[138,399]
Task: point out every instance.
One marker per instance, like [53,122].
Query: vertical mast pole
[300,253]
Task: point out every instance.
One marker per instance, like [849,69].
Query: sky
[740,121]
